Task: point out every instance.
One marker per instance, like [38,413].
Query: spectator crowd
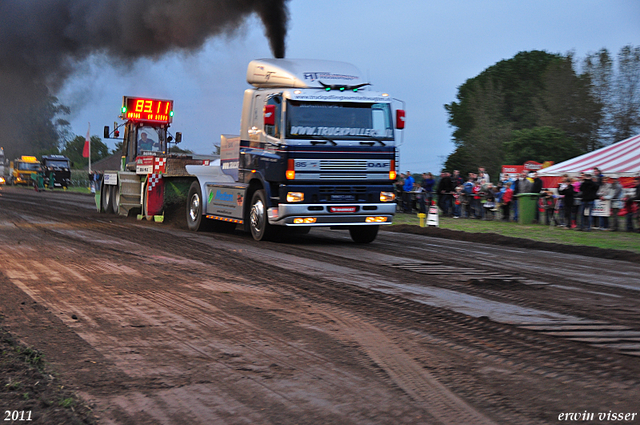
[570,205]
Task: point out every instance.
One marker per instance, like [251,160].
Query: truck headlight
[304,220]
[375,219]
[387,196]
[295,197]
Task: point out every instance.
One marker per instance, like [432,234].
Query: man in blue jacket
[406,195]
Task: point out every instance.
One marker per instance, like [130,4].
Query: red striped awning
[621,159]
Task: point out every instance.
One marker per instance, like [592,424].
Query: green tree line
[544,107]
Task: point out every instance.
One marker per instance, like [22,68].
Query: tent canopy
[621,159]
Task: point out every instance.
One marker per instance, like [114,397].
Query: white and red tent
[621,159]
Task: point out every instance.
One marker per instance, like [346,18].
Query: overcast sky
[418,51]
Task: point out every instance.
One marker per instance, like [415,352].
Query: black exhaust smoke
[42,41]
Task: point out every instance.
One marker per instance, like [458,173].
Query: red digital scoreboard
[147,110]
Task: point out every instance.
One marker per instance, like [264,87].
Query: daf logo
[377,164]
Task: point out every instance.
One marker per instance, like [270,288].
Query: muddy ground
[143,323]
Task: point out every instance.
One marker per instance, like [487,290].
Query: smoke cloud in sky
[44,40]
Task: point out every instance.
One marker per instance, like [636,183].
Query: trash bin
[527,204]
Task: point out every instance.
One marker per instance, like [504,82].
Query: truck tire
[195,219]
[115,199]
[363,234]
[105,199]
[259,225]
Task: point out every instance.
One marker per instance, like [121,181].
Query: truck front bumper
[364,214]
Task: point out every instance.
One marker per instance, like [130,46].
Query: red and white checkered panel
[154,179]
[160,165]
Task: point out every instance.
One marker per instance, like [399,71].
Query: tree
[73,151]
[491,129]
[568,104]
[626,107]
[520,81]
[539,144]
[533,89]
[491,105]
[618,90]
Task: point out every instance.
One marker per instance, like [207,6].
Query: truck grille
[332,190]
[334,176]
[343,165]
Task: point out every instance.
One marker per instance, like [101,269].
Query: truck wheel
[115,199]
[363,234]
[258,221]
[105,199]
[195,220]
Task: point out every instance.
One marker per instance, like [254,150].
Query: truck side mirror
[400,119]
[178,137]
[106,132]
[270,115]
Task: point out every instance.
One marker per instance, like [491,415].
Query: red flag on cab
[86,151]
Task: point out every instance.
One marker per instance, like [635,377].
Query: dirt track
[152,324]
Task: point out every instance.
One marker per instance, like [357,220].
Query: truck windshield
[57,163]
[28,166]
[339,120]
[150,138]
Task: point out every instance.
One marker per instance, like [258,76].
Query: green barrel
[527,204]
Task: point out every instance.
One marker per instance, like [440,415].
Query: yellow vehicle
[21,170]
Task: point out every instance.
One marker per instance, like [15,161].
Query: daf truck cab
[316,149]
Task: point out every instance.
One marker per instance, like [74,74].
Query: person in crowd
[407,188]
[589,190]
[604,194]
[427,184]
[526,185]
[498,191]
[489,204]
[565,189]
[548,204]
[576,182]
[536,188]
[457,201]
[445,189]
[456,179]
[506,179]
[616,202]
[507,197]
[599,176]
[467,199]
[483,176]
[518,186]
[476,205]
